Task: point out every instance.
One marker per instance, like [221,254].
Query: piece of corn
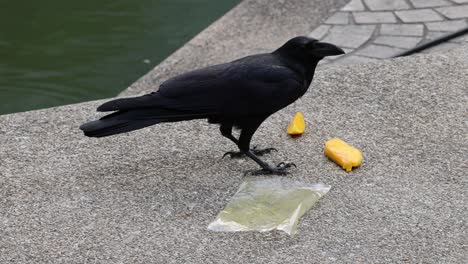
[343,154]
[297,125]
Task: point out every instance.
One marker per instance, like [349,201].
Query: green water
[55,52]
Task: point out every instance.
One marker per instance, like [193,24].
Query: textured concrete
[148,196]
[254,26]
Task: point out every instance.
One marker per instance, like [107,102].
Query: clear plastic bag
[267,204]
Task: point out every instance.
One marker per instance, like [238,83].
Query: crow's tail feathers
[104,128]
[129,120]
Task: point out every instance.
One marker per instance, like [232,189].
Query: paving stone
[454,12]
[419,15]
[380,52]
[324,63]
[374,17]
[354,5]
[333,58]
[398,41]
[461,39]
[354,59]
[443,47]
[431,35]
[387,4]
[338,18]
[430,3]
[402,29]
[319,32]
[450,25]
[349,36]
[434,34]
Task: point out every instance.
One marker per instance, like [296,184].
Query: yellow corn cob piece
[297,125]
[343,154]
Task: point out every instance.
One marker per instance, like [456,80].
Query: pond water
[55,52]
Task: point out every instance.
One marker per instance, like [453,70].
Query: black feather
[129,120]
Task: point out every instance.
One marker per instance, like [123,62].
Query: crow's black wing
[264,89]
[225,89]
[192,91]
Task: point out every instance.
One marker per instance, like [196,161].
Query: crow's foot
[280,169]
[255,151]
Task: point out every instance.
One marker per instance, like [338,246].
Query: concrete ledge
[253,26]
[147,197]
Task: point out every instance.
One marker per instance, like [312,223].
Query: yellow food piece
[343,154]
[297,125]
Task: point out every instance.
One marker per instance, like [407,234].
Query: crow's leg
[254,150]
[244,146]
[226,131]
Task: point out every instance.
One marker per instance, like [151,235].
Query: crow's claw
[286,165]
[261,152]
[234,154]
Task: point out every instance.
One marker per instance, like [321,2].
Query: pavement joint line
[379,12]
[441,14]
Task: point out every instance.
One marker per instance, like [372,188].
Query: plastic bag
[267,204]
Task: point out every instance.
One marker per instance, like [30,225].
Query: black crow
[241,94]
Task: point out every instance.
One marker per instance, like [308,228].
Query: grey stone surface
[330,59]
[253,26]
[434,34]
[354,5]
[350,36]
[430,3]
[461,39]
[417,20]
[460,1]
[338,18]
[354,59]
[319,32]
[148,196]
[402,29]
[386,4]
[454,12]
[398,41]
[450,25]
[443,48]
[374,17]
[419,15]
[378,51]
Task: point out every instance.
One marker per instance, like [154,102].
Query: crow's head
[309,47]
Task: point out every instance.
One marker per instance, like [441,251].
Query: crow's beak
[323,49]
